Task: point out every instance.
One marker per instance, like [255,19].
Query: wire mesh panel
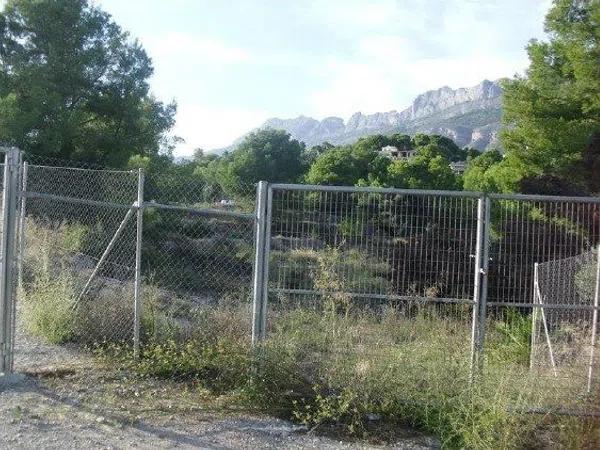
[372,283]
[197,270]
[197,261]
[77,265]
[539,292]
[562,339]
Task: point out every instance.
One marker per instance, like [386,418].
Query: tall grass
[327,361]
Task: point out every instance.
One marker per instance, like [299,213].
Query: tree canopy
[553,111]
[422,171]
[479,175]
[74,85]
[269,155]
[364,163]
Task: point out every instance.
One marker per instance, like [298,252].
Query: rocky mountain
[470,116]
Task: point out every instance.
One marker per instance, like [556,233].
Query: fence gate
[364,276]
[120,257]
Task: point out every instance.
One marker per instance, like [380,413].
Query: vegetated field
[361,370]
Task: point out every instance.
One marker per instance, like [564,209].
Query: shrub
[221,367]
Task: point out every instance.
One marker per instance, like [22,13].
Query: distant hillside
[470,116]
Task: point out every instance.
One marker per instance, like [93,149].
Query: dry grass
[327,361]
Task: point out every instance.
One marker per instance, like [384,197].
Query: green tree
[269,155]
[435,145]
[311,154]
[348,165]
[552,111]
[74,85]
[363,163]
[479,175]
[422,172]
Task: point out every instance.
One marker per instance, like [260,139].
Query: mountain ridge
[470,116]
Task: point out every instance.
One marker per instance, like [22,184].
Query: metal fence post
[594,323]
[259,262]
[477,285]
[266,258]
[485,262]
[534,318]
[8,247]
[137,298]
[22,214]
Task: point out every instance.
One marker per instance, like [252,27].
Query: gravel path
[33,416]
[70,401]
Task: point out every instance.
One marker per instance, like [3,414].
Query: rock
[470,116]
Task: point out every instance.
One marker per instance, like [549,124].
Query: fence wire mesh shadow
[415,289]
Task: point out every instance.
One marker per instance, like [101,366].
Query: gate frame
[263,213]
[12,172]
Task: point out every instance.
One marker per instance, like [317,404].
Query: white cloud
[211,128]
[458,44]
[354,14]
[337,56]
[353,87]
[177,44]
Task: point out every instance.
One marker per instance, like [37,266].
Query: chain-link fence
[78,262]
[81,282]
[415,289]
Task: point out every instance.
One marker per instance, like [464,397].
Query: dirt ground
[66,399]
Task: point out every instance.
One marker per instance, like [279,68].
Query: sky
[232,64]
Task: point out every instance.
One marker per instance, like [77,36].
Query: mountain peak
[470,116]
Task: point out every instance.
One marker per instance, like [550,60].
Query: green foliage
[405,367]
[553,111]
[480,170]
[435,145]
[48,308]
[585,280]
[333,269]
[424,171]
[332,408]
[363,163]
[74,86]
[269,155]
[221,367]
[343,166]
[311,154]
[73,237]
[510,339]
[272,155]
